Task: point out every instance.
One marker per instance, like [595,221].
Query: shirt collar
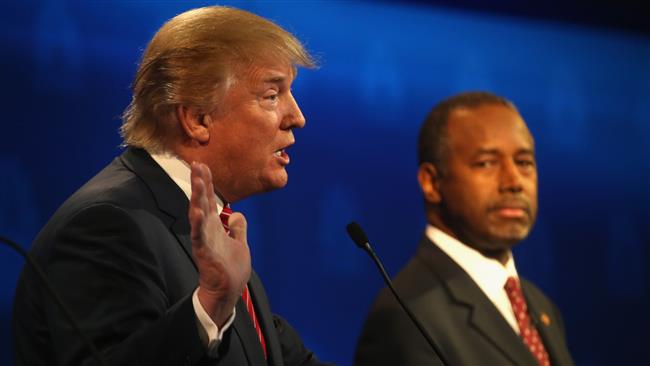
[180,172]
[488,273]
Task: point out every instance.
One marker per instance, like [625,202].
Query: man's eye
[526,163]
[272,97]
[484,164]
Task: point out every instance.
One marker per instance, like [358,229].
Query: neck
[500,254]
[189,155]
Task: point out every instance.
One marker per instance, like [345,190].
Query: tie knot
[226,210]
[512,285]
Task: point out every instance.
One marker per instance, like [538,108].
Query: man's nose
[510,178]
[293,116]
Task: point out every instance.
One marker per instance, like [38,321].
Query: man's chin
[512,235]
[277,181]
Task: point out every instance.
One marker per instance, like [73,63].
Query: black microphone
[361,240]
[41,276]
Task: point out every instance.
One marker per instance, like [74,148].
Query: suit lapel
[547,326]
[245,330]
[169,198]
[482,315]
[265,319]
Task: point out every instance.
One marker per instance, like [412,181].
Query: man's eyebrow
[526,151]
[274,79]
[484,151]
[488,151]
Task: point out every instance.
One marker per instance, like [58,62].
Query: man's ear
[429,180]
[194,123]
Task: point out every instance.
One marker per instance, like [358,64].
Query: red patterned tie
[246,295]
[527,331]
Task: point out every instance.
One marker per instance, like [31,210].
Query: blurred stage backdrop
[582,84]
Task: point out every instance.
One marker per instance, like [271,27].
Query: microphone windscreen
[356,234]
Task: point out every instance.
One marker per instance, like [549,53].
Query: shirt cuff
[209,332]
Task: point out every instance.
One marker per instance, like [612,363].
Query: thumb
[238,227]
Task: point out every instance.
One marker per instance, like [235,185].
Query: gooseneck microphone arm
[41,276]
[361,240]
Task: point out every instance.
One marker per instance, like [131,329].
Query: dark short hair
[432,140]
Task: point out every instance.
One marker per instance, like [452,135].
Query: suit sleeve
[104,265]
[389,337]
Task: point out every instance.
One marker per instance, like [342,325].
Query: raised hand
[223,260]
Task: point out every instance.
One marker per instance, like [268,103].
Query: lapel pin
[546,320]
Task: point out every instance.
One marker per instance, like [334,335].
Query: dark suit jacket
[458,316]
[119,254]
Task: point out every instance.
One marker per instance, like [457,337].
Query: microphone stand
[359,237]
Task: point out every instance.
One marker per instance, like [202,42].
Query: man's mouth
[282,155]
[512,210]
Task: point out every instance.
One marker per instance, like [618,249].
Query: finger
[201,197]
[197,218]
[198,198]
[212,199]
[238,227]
[198,206]
[195,178]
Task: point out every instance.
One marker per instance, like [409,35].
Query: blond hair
[191,60]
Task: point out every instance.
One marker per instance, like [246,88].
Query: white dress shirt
[488,273]
[180,172]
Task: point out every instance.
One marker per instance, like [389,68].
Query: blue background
[583,88]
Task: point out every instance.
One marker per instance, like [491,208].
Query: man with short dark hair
[148,255]
[478,176]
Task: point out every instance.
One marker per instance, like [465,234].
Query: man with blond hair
[148,255]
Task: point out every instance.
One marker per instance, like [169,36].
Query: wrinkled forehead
[488,127]
[264,70]
[246,60]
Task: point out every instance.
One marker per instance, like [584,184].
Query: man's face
[251,130]
[489,189]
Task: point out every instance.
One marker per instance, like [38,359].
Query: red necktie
[246,295]
[527,331]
